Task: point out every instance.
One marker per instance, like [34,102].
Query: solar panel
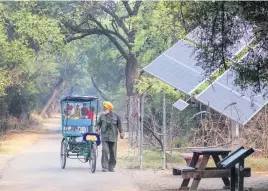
[198,34]
[185,54]
[180,104]
[227,98]
[177,67]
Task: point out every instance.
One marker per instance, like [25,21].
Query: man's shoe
[111,170]
[104,170]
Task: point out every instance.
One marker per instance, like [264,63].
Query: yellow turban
[109,106]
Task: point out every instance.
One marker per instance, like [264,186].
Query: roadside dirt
[14,142]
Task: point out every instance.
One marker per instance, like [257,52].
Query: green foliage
[158,29]
[5,81]
[156,86]
[21,38]
[27,43]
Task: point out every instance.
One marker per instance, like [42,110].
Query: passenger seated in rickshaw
[71,111]
[90,113]
[77,113]
[84,111]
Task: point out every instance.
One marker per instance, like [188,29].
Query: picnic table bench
[196,171]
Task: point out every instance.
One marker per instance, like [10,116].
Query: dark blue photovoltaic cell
[174,73]
[180,104]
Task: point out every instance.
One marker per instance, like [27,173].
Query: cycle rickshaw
[79,139]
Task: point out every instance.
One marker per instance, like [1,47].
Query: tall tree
[113,20]
[223,24]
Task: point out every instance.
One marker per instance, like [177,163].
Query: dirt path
[36,166]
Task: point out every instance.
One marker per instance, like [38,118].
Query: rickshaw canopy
[79,98]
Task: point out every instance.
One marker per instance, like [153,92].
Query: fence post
[141,128]
[164,131]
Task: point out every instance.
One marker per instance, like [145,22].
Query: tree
[223,24]
[113,20]
[21,41]
[70,61]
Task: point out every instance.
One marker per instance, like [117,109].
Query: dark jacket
[109,124]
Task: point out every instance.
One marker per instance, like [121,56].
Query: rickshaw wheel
[92,161]
[63,153]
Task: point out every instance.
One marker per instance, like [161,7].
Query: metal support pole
[171,131]
[241,176]
[141,129]
[233,178]
[164,132]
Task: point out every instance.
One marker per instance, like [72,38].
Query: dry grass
[259,164]
[122,148]
[15,142]
[151,160]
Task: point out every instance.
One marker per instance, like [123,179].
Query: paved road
[38,168]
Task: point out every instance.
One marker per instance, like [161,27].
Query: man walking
[109,124]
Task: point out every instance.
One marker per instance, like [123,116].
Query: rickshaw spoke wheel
[92,160]
[63,153]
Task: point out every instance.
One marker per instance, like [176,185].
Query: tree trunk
[131,74]
[57,89]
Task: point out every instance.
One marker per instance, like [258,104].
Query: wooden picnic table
[216,153]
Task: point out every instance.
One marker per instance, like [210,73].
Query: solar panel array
[229,99]
[180,104]
[177,67]
[199,34]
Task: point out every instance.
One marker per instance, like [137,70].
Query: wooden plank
[202,166]
[176,172]
[194,160]
[184,168]
[216,159]
[193,163]
[213,173]
[218,151]
[248,169]
[178,169]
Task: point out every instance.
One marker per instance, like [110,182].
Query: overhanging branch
[114,41]
[125,3]
[117,19]
[136,7]
[87,32]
